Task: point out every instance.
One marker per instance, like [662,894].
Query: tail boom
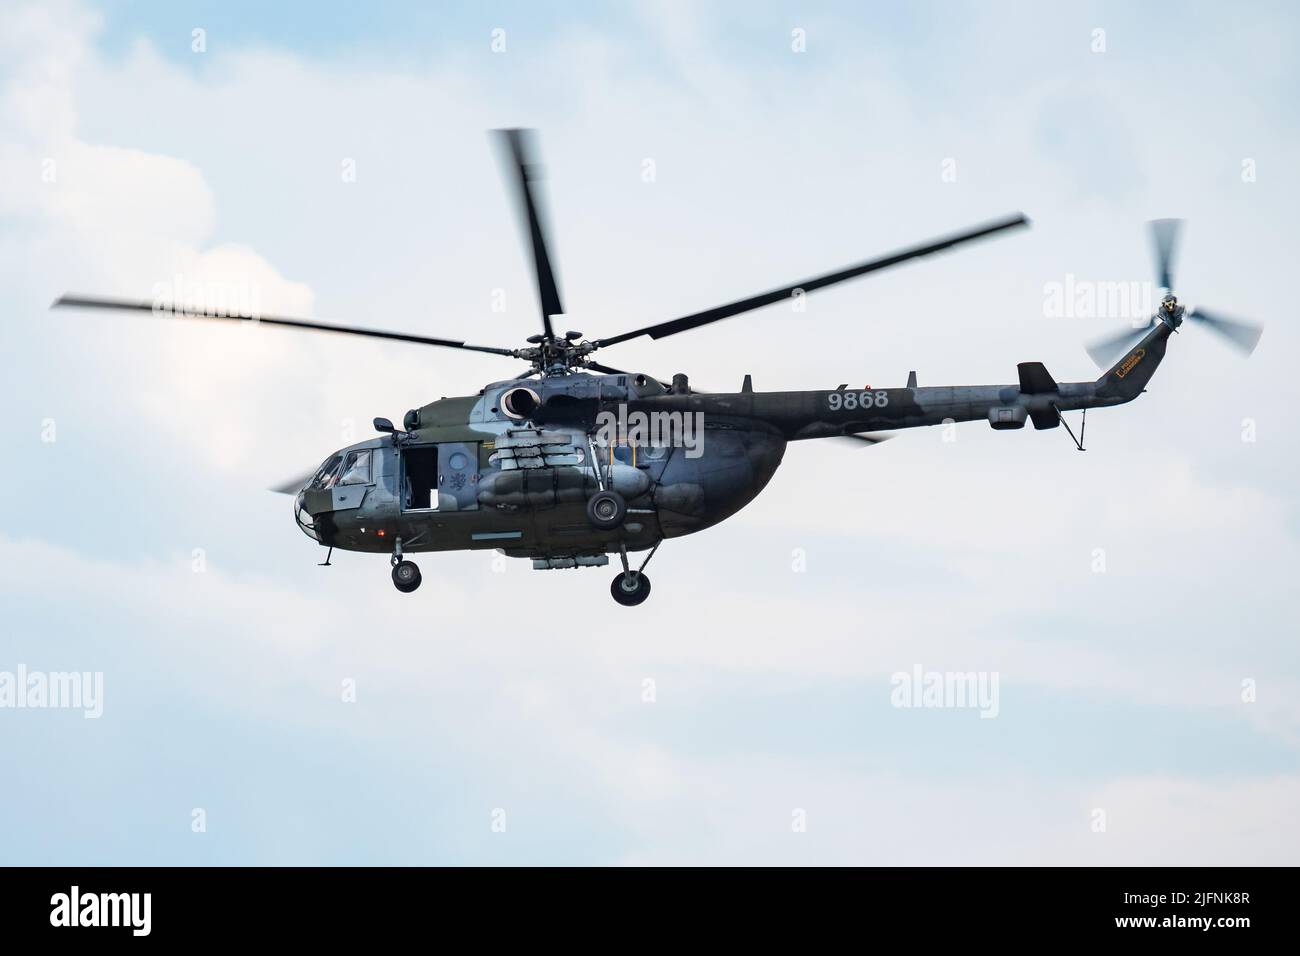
[1036,398]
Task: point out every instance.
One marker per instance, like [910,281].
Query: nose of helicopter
[306,521]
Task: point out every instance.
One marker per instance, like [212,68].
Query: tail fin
[1035,379]
[1127,378]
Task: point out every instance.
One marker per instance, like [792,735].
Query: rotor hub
[556,356]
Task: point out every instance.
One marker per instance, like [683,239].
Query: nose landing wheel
[406,576]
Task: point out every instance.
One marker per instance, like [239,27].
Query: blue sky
[1120,690]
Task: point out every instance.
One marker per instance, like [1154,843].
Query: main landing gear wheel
[630,588]
[406,576]
[606,510]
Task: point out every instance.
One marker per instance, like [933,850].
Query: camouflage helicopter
[573,460]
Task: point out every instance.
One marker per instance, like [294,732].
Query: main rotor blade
[1164,237]
[817,282]
[518,155]
[1243,336]
[1106,352]
[292,486]
[188,312]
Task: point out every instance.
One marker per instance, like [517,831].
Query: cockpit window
[356,469]
[325,476]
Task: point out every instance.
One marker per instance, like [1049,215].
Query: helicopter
[572,460]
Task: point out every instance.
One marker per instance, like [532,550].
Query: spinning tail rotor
[1243,336]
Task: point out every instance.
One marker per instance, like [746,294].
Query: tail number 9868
[850,401]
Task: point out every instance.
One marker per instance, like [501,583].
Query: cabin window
[420,478]
[356,469]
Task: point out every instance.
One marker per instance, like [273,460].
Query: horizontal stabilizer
[1035,379]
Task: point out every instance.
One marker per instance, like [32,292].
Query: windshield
[325,476]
